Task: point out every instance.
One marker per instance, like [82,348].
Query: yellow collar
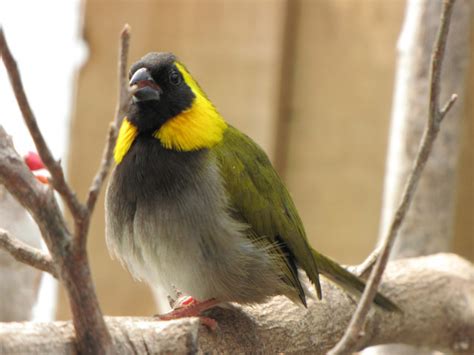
[127,134]
[198,127]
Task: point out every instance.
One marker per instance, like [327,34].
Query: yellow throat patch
[200,126]
[127,134]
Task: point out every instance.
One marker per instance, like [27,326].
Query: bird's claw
[187,306]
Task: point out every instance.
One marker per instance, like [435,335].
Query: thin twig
[58,180]
[103,169]
[354,331]
[27,254]
[122,107]
[125,91]
[363,270]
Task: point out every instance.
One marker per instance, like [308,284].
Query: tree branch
[428,225]
[37,198]
[435,291]
[363,270]
[125,91]
[354,332]
[68,251]
[57,175]
[123,101]
[435,114]
[104,168]
[26,254]
[71,264]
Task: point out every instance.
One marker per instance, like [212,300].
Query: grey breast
[168,221]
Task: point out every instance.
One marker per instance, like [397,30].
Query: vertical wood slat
[286,85]
[341,98]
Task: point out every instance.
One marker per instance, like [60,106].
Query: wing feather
[259,198]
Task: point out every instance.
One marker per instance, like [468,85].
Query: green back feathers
[261,200]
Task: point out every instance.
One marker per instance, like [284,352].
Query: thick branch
[436,293]
[26,254]
[37,198]
[73,268]
[354,332]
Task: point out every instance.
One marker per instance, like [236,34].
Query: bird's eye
[175,78]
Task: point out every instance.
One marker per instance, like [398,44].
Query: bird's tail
[349,281]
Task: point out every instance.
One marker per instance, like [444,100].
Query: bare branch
[26,254]
[122,107]
[124,90]
[448,106]
[104,168]
[57,174]
[435,114]
[37,198]
[363,270]
[354,332]
[426,287]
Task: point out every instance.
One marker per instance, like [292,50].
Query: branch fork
[91,332]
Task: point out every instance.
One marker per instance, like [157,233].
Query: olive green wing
[260,199]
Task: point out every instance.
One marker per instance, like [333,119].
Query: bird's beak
[147,89]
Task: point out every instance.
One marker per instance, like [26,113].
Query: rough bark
[435,292]
[39,200]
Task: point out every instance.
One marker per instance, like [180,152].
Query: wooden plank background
[311,81]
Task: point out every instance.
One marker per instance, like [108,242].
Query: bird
[195,205]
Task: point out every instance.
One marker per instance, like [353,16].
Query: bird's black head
[162,92]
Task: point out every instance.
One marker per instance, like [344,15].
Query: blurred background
[310,80]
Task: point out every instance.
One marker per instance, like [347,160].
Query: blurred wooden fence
[311,81]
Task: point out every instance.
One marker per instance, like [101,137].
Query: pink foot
[184,301]
[187,306]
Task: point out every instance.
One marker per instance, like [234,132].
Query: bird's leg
[187,306]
